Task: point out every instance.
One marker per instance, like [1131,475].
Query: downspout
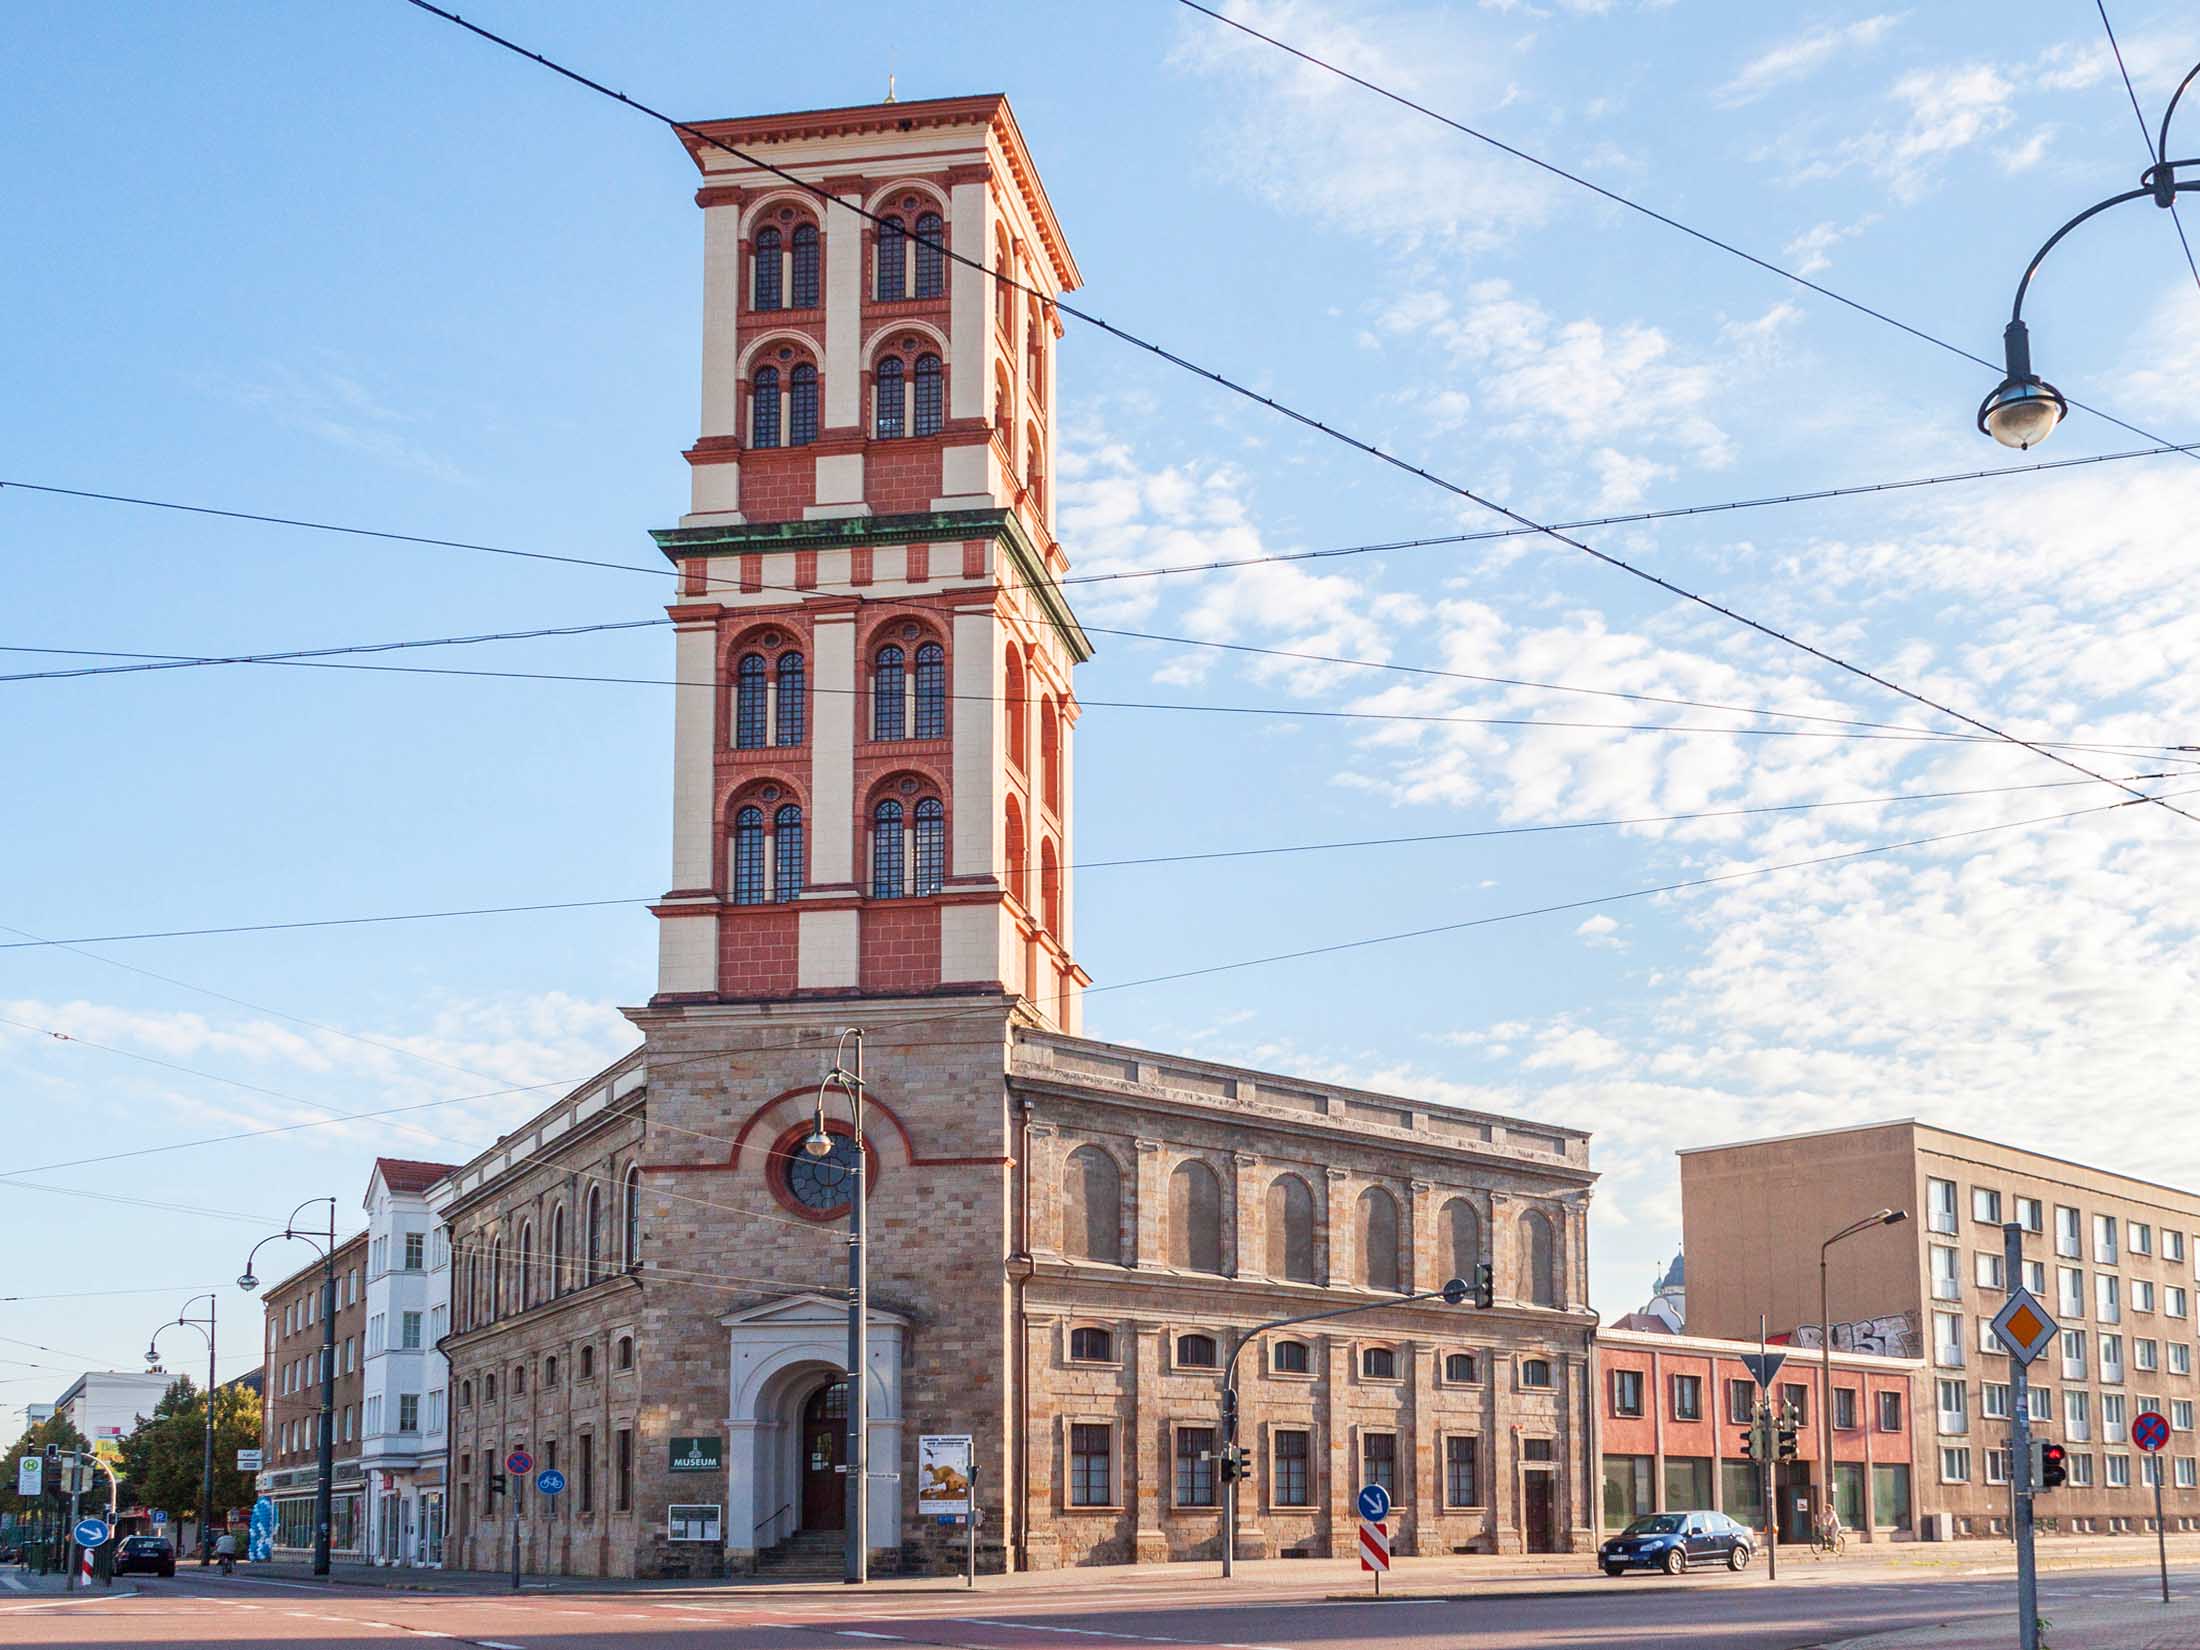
[1592,1462]
[1019,1516]
[450,1422]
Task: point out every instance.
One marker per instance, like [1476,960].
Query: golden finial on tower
[890,87]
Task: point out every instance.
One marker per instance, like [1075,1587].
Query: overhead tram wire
[2146,135]
[1617,199]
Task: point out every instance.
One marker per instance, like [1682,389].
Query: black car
[153,1554]
[1672,1541]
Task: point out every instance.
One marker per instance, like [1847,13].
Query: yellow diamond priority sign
[2023,1326]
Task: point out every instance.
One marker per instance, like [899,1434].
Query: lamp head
[819,1144]
[152,1353]
[1893,1217]
[2022,412]
[248,1283]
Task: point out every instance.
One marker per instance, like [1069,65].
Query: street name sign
[2149,1430]
[1762,1366]
[248,1460]
[1374,1504]
[2023,1326]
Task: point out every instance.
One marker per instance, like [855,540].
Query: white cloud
[331,402]
[1940,113]
[1802,56]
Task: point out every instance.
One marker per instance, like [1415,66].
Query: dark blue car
[1672,1541]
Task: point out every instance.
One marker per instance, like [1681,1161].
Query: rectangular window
[2104,1239]
[2142,1295]
[1462,1485]
[1988,1341]
[2139,1237]
[1986,1270]
[2073,1355]
[1379,1461]
[409,1332]
[587,1465]
[1997,1466]
[2180,1414]
[1948,1339]
[1954,1409]
[1687,1481]
[2112,1417]
[1293,1486]
[1994,1401]
[623,1470]
[2077,1415]
[2080,1468]
[1630,1489]
[1955,1464]
[416,1251]
[1795,1400]
[2035,1277]
[374,1415]
[2030,1214]
[1195,1467]
[435,1411]
[1890,1412]
[2112,1358]
[2173,1300]
[2040,1401]
[2108,1297]
[408,1412]
[1986,1205]
[1091,1483]
[1741,1402]
[1844,1409]
[1947,1280]
[1688,1397]
[2180,1358]
[2173,1244]
[1940,1205]
[2070,1291]
[1891,1497]
[2068,1227]
[439,1321]
[2188,1472]
[1626,1392]
[2119,1472]
[2144,1355]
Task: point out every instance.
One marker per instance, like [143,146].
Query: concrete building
[1674,1409]
[291,1403]
[403,1414]
[107,1404]
[872,827]
[2111,1257]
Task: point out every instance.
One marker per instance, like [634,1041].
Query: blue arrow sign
[1374,1503]
[91,1532]
[550,1481]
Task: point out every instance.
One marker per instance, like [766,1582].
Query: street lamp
[205,1326]
[1885,1217]
[2024,408]
[323,1498]
[820,1145]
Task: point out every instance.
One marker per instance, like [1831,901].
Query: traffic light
[496,1485]
[1749,1444]
[2050,1464]
[1485,1286]
[52,1481]
[1787,1442]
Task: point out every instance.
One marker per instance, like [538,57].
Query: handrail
[773,1519]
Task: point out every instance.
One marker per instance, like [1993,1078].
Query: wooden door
[824,1447]
[1539,1511]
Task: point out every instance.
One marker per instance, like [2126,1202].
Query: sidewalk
[19,1583]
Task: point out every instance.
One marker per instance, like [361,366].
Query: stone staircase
[807,1555]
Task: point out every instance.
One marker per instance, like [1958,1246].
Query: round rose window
[819,1185]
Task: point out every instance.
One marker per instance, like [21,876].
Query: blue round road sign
[2148,1430]
[550,1481]
[1374,1503]
[519,1463]
[91,1532]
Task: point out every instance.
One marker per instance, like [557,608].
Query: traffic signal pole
[1766,1449]
[2020,1456]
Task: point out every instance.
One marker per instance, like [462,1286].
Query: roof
[1676,1275]
[1642,1323]
[410,1174]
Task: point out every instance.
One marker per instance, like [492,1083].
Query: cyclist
[1829,1529]
[226,1550]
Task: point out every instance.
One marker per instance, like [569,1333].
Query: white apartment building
[404,1420]
[107,1404]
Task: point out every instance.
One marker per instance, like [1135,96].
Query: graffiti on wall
[1894,1336]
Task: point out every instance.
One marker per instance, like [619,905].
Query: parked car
[1672,1541]
[153,1554]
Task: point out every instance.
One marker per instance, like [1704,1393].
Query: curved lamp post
[820,1145]
[323,1498]
[2024,408]
[1884,1217]
[205,1326]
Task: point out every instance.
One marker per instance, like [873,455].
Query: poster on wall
[692,1522]
[944,1468]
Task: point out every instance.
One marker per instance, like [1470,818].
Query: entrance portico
[786,1422]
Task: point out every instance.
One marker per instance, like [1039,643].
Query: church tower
[872,755]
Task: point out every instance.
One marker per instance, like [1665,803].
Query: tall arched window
[794,693]
[931,264]
[892,259]
[764,408]
[787,853]
[802,405]
[1004,291]
[1050,887]
[931,411]
[1462,1239]
[931,845]
[767,269]
[557,1253]
[473,1290]
[931,691]
[632,1252]
[805,266]
[1013,833]
[1034,472]
[1378,1239]
[749,696]
[1092,1206]
[887,721]
[1004,409]
[526,1265]
[1290,1229]
[748,856]
[1195,1218]
[886,850]
[1539,1258]
[1035,352]
[886,421]
[1014,708]
[592,1265]
[496,1278]
[1050,755]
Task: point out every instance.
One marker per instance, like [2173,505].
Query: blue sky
[350,264]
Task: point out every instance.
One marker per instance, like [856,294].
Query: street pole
[1767,1447]
[2020,1455]
[206,1466]
[324,1495]
[2161,1539]
[970,1573]
[856,1568]
[1825,1390]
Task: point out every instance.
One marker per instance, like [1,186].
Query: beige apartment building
[2111,1257]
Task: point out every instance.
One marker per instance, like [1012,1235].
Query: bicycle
[1833,1543]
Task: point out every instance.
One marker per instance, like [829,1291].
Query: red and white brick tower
[872,772]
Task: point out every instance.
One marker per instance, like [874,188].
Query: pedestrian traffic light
[1485,1286]
[2050,1464]
[1787,1443]
[54,1488]
[1749,1443]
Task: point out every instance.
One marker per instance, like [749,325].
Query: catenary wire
[2146,135]
[1126,860]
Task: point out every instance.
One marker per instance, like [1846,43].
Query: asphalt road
[1709,1612]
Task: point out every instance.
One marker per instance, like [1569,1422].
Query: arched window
[526,1265]
[1014,709]
[802,405]
[805,266]
[764,408]
[588,1363]
[1293,1358]
[886,421]
[749,696]
[631,1253]
[1379,1363]
[1378,1239]
[466,1394]
[1092,1206]
[931,410]
[625,1358]
[1196,1352]
[1050,754]
[1004,409]
[489,1389]
[1004,291]
[893,266]
[1035,351]
[794,693]
[767,269]
[1092,1345]
[787,853]
[593,1238]
[887,721]
[496,1279]
[473,1290]
[748,856]
[1034,474]
[1535,1372]
[1050,887]
[557,1252]
[1195,1218]
[931,264]
[1460,1367]
[931,692]
[886,850]
[931,846]
[1013,831]
[1462,1239]
[1539,1258]
[550,1371]
[1290,1229]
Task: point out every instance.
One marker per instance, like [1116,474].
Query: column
[687,946]
[1336,1527]
[843,299]
[1248,1246]
[828,949]
[1338,1222]
[1655,1398]
[1147,1449]
[721,409]
[1504,1275]
[1421,1271]
[970,297]
[1043,1213]
[1422,1473]
[1147,1213]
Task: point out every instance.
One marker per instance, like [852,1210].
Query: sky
[349,264]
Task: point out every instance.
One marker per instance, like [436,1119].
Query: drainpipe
[1019,1517]
[1591,1467]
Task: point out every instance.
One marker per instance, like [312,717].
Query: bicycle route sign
[550,1481]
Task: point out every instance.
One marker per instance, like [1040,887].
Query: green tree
[55,1431]
[167,1451]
